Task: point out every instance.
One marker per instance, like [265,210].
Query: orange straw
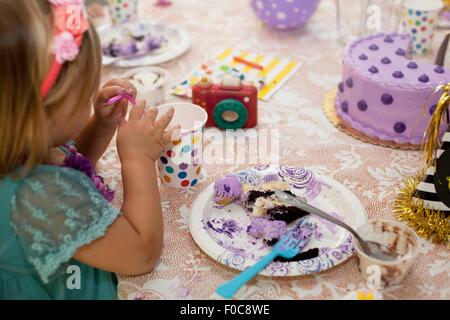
[248,63]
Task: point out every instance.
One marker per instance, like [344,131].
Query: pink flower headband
[71,22]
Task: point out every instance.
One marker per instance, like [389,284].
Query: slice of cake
[384,94]
[254,190]
[265,203]
[259,199]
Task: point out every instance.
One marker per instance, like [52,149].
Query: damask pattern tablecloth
[307,139]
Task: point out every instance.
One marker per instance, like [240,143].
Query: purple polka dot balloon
[285,14]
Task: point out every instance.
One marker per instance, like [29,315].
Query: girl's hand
[110,116]
[142,137]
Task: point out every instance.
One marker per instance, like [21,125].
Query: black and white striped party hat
[426,190]
[424,200]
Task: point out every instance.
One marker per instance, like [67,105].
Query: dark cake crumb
[271,242]
[255,194]
[139,38]
[286,214]
[310,254]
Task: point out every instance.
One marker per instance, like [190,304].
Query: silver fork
[287,247]
[370,248]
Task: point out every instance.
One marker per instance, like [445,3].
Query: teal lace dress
[44,218]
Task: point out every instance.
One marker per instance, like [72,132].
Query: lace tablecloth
[307,139]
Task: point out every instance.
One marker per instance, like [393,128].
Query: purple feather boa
[79,162]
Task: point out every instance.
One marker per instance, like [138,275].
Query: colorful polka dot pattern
[179,164]
[419,24]
[123,11]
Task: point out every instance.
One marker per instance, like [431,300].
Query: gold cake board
[330,111]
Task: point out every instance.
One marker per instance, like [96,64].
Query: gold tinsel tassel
[429,224]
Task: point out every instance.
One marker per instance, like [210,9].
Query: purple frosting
[439,69]
[424,78]
[344,106]
[373,69]
[400,52]
[385,60]
[304,231]
[399,127]
[387,99]
[132,45]
[115,49]
[398,74]
[349,82]
[262,228]
[388,39]
[228,227]
[154,43]
[412,65]
[228,187]
[362,105]
[432,108]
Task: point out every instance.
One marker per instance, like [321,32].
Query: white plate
[240,250]
[178,42]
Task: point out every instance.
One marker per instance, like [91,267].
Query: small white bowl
[154,93]
[398,238]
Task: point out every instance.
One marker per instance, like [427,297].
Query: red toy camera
[230,105]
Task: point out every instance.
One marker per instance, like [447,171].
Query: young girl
[59,236]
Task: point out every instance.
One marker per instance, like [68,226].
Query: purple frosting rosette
[227,189]
[262,228]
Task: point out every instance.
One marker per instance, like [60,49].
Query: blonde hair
[26,33]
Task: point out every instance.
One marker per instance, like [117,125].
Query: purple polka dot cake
[383,94]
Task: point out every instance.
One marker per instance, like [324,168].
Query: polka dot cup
[418,20]
[180,164]
[123,11]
